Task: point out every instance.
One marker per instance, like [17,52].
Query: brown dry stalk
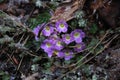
[78,66]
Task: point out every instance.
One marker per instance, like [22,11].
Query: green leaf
[39,19]
[98,49]
[35,67]
[1,1]
[82,22]
[93,42]
[93,29]
[94,77]
[4,76]
[36,59]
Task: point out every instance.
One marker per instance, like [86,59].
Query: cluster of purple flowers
[57,40]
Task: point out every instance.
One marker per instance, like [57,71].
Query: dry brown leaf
[96,4]
[3,6]
[108,11]
[65,12]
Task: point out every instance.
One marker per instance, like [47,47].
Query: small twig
[10,57]
[31,54]
[25,41]
[15,60]
[93,48]
[28,52]
[21,38]
[112,40]
[20,63]
[72,65]
[30,13]
[89,58]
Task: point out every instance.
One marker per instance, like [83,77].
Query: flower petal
[61,26]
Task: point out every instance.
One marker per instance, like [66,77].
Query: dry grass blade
[78,66]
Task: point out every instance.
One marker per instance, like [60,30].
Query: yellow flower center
[47,28]
[76,35]
[61,25]
[59,43]
[55,52]
[78,46]
[48,44]
[68,37]
[67,53]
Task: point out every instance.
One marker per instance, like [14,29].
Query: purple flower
[68,54]
[61,26]
[47,30]
[58,44]
[67,38]
[36,31]
[58,53]
[77,35]
[79,47]
[49,53]
[47,45]
[54,35]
